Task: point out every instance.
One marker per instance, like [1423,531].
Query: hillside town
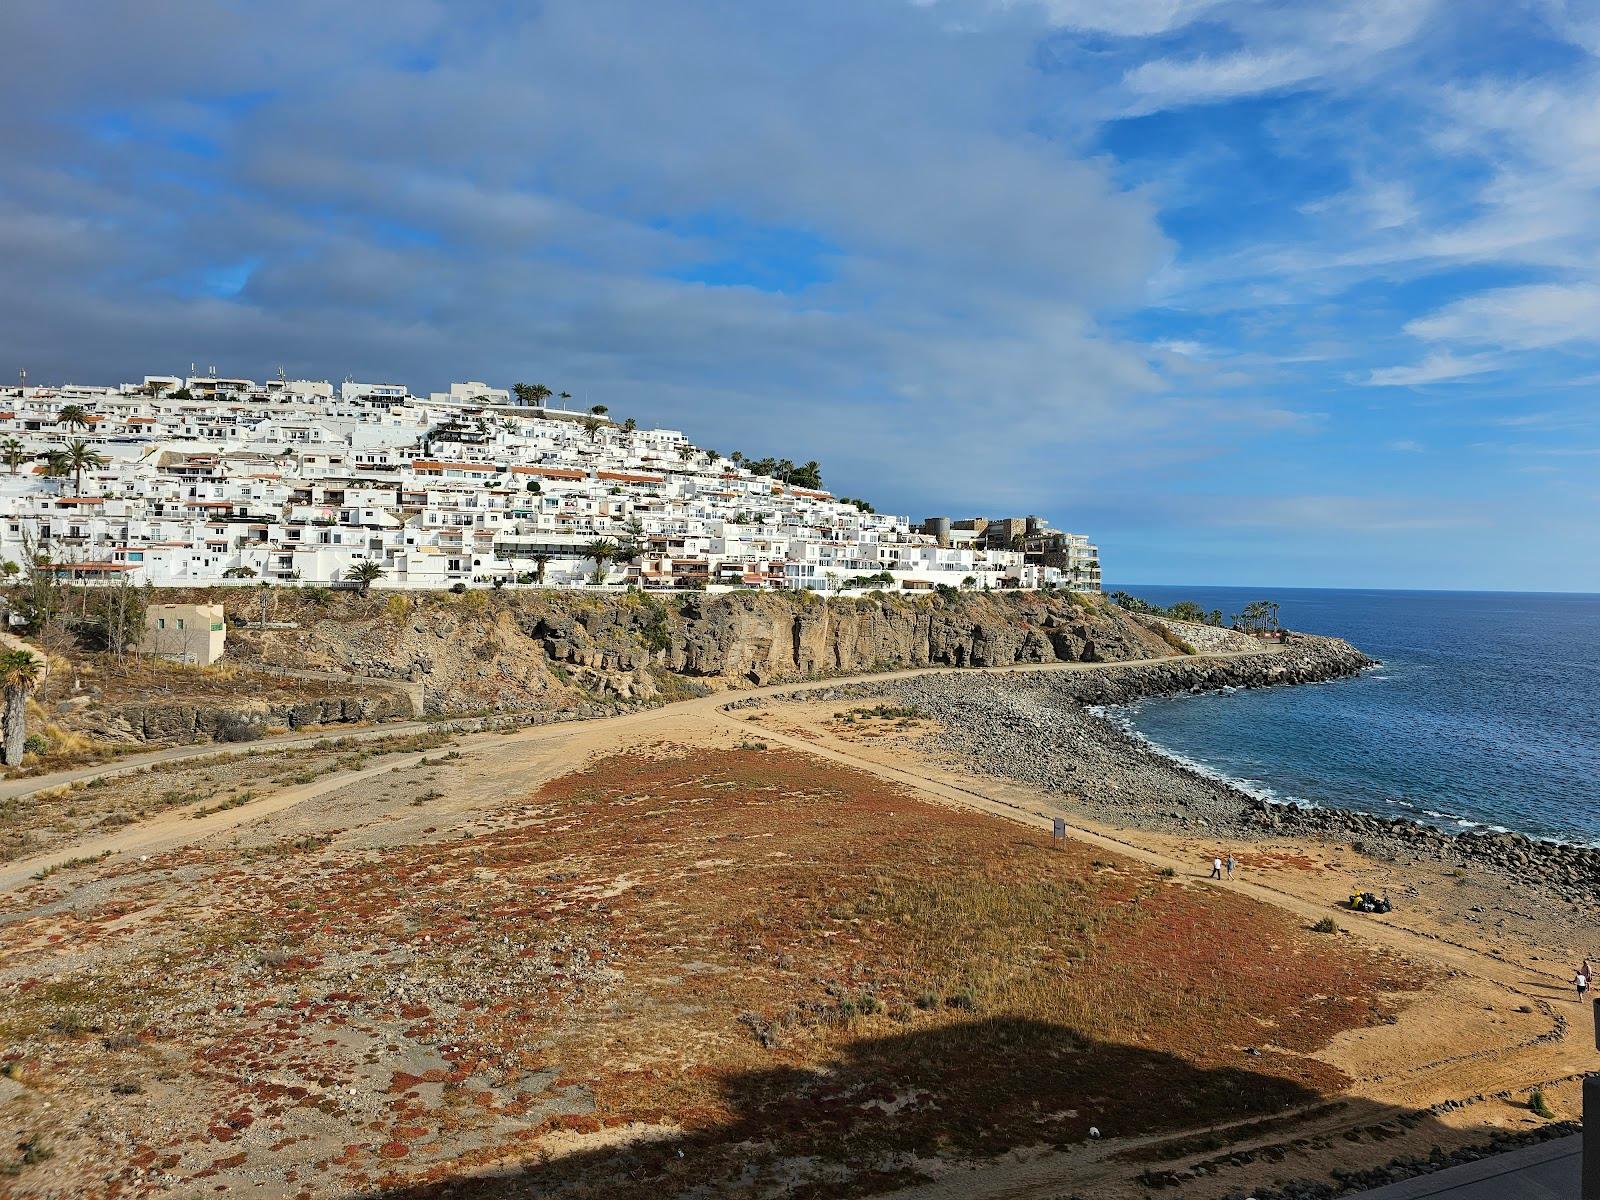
[201,480]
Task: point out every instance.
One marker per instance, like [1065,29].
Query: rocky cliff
[534,650]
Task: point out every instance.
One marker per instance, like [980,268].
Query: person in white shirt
[1216,868]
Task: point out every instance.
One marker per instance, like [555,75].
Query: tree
[40,596]
[565,396]
[541,560]
[592,426]
[602,551]
[56,465]
[78,456]
[807,475]
[20,673]
[630,425]
[365,574]
[119,614]
[1257,616]
[599,410]
[970,581]
[685,453]
[74,416]
[737,456]
[532,394]
[13,453]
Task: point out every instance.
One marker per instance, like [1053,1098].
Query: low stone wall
[187,722]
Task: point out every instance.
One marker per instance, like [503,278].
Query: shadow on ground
[965,1090]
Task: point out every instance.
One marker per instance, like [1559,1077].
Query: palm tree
[77,457]
[74,416]
[365,574]
[13,453]
[599,410]
[686,453]
[564,397]
[541,560]
[630,425]
[592,426]
[602,551]
[20,672]
[56,465]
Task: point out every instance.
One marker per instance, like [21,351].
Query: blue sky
[1255,293]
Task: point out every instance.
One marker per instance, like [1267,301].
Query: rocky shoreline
[1038,729]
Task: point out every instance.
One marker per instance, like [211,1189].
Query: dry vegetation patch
[59,816]
[742,969]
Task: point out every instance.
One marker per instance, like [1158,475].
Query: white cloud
[1436,368]
[1534,317]
[1128,18]
[1295,46]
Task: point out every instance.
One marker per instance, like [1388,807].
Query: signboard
[1059,831]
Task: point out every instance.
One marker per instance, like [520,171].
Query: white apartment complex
[204,480]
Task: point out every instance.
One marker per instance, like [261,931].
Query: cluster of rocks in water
[1039,728]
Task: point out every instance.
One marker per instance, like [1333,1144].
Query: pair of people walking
[1218,866]
[1582,979]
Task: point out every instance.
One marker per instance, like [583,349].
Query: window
[161,622]
[180,622]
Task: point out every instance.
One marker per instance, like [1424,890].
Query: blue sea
[1485,713]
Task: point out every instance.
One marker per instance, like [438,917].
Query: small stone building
[186,633]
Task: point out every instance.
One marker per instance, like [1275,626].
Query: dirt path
[179,827]
[27,785]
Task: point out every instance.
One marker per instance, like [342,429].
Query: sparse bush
[1167,873]
[1540,1105]
[35,744]
[231,727]
[965,1000]
[1326,925]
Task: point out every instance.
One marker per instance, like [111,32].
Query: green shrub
[1326,925]
[1540,1105]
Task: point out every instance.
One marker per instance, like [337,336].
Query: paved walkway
[1548,1171]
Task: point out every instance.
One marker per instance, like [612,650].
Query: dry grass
[781,960]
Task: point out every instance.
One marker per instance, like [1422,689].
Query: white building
[206,480]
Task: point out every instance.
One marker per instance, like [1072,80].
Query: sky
[1250,292]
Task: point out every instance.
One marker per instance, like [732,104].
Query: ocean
[1485,713]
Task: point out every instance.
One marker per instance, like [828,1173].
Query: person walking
[1230,865]
[1216,869]
[1581,982]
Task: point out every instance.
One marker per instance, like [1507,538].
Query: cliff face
[547,650]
